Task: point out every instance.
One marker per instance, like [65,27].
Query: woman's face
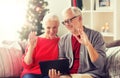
[51,28]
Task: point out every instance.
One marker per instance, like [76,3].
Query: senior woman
[41,48]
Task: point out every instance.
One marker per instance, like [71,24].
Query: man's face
[72,22]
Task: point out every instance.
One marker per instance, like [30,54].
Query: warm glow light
[12,17]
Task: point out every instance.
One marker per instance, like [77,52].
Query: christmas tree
[36,9]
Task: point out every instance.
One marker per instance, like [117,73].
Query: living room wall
[12,16]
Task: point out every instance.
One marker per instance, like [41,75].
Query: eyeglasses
[69,20]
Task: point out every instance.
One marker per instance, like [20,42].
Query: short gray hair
[50,16]
[75,10]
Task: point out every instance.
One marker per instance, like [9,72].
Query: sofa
[113,59]
[11,56]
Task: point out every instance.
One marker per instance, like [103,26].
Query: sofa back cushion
[10,60]
[113,44]
[113,61]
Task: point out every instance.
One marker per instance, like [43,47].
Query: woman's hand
[53,73]
[32,39]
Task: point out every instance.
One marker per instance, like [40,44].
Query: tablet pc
[62,65]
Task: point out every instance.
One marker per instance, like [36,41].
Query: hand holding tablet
[61,65]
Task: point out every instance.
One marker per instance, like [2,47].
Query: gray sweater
[96,69]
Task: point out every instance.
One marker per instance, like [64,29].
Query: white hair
[75,10]
[51,17]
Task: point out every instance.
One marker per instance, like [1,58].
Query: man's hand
[83,39]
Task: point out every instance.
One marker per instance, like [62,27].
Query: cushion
[113,61]
[10,59]
[113,44]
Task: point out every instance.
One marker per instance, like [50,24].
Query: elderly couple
[85,48]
